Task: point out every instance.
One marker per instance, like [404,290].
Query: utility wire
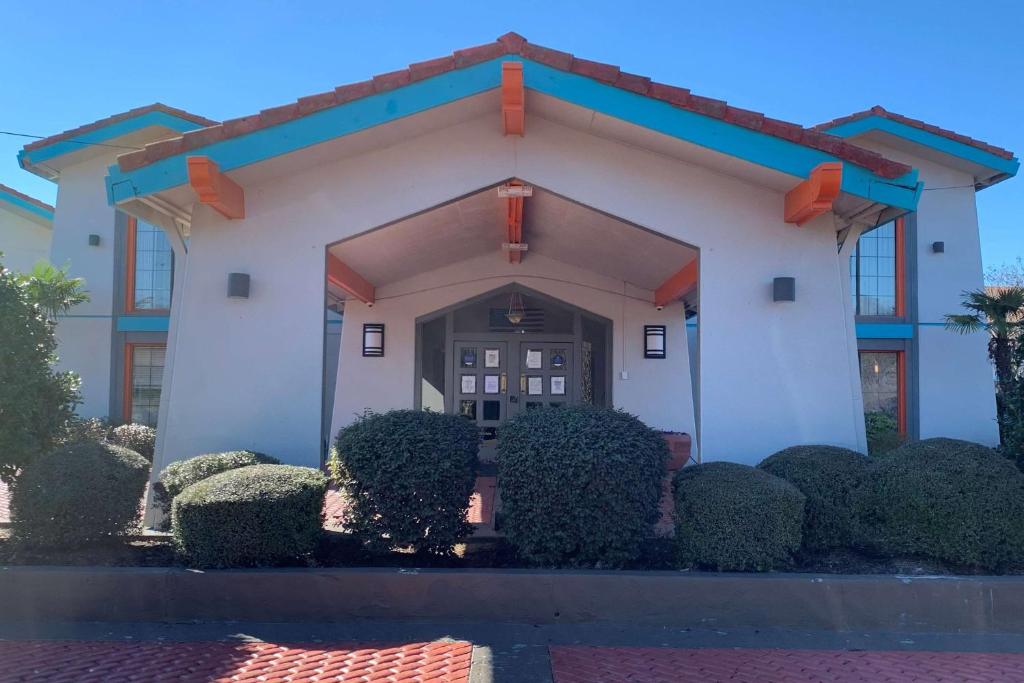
[77,142]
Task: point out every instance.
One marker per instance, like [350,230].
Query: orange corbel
[513,98]
[814,196]
[340,275]
[215,189]
[677,285]
[514,225]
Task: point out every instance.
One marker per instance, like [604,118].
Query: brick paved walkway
[58,661]
[571,664]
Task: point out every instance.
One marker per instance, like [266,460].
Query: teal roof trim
[105,134]
[927,139]
[752,146]
[26,205]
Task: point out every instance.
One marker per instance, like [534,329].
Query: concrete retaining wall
[790,601]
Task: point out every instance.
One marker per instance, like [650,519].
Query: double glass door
[497,376]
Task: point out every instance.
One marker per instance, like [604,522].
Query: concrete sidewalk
[502,653]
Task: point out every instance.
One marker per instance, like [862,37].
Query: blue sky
[957,65]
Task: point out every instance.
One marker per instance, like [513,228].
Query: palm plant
[50,288]
[1001,312]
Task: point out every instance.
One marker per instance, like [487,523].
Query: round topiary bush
[832,479]
[949,500]
[408,475]
[579,485]
[138,437]
[77,494]
[251,516]
[732,517]
[178,476]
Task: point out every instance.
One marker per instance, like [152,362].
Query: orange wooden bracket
[814,196]
[216,189]
[513,98]
[514,224]
[677,285]
[349,280]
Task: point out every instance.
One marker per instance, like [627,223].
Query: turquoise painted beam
[143,323]
[885,331]
[749,145]
[106,133]
[927,139]
[26,206]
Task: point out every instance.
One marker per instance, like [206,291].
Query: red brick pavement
[574,664]
[114,661]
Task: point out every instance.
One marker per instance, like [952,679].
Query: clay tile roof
[4,189]
[116,118]
[916,123]
[514,44]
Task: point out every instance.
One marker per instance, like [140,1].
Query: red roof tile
[20,195]
[102,123]
[916,123]
[514,44]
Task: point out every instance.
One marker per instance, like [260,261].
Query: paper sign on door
[534,359]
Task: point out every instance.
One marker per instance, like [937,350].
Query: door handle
[504,383]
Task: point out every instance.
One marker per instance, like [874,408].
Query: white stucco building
[511,226]
[26,228]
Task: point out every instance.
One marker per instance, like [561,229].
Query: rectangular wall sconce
[938,247]
[654,341]
[373,340]
[94,240]
[784,289]
[238,285]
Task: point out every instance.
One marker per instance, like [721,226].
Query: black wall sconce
[784,289]
[373,340]
[654,341]
[238,285]
[94,240]
[938,247]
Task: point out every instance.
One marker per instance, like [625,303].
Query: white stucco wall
[84,336]
[385,383]
[23,242]
[956,391]
[248,372]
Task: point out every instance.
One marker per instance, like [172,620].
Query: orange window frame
[129,280]
[126,389]
[901,384]
[901,268]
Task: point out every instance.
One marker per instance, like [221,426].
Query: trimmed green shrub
[79,429]
[949,500]
[178,476]
[409,475]
[251,516]
[83,492]
[732,517]
[579,486]
[35,401]
[140,438]
[883,433]
[831,478]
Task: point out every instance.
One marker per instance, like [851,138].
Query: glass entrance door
[481,386]
[545,375]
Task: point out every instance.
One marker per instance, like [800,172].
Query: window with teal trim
[154,267]
[873,272]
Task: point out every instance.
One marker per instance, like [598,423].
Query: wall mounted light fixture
[939,247]
[238,285]
[373,340]
[784,289]
[94,240]
[654,341]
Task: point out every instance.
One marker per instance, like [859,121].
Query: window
[876,271]
[143,372]
[150,268]
[882,380]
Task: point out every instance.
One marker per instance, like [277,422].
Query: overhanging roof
[1000,163]
[44,157]
[33,209]
[675,112]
